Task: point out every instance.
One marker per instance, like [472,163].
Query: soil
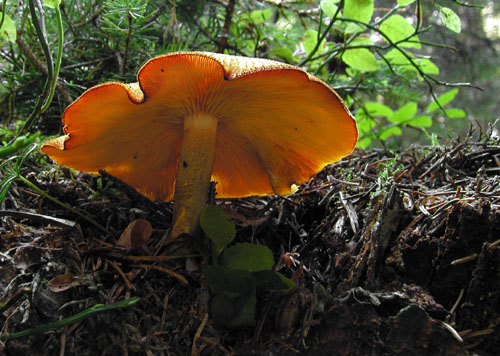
[392,253]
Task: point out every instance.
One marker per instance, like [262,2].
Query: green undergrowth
[236,272]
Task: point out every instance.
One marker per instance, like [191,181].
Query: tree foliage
[370,51]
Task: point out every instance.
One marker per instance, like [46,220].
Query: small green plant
[236,273]
[388,170]
[104,189]
[378,121]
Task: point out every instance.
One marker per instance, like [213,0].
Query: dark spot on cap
[184,164]
[163,70]
[135,156]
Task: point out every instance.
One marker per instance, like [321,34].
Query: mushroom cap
[277,125]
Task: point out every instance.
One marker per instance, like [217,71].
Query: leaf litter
[393,253]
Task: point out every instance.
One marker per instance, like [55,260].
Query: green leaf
[52,3]
[427,66]
[401,63]
[5,185]
[230,282]
[450,19]
[455,113]
[234,312]
[8,161]
[218,227]
[405,2]
[405,113]
[310,38]
[360,115]
[360,59]
[364,142]
[361,10]
[222,309]
[28,149]
[260,16]
[397,28]
[272,281]
[348,100]
[378,109]
[248,257]
[329,7]
[421,121]
[354,27]
[443,99]
[57,325]
[245,316]
[283,52]
[8,29]
[391,131]
[396,58]
[366,125]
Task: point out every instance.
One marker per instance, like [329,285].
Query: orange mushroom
[254,126]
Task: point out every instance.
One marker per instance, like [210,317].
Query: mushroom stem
[194,170]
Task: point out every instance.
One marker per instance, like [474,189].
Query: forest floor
[393,253]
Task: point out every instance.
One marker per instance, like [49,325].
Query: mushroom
[254,126]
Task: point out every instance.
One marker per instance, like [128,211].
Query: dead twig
[227,24]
